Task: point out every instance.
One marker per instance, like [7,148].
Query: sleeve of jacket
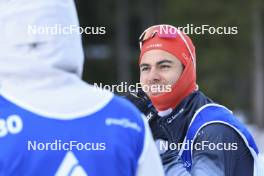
[149,162]
[232,158]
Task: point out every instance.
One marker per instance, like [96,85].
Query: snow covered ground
[258,136]
[257,133]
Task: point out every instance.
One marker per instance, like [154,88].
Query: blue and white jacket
[217,114]
[197,121]
[52,122]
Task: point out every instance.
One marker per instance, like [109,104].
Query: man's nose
[154,76]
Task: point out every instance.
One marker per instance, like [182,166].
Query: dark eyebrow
[144,65]
[164,61]
[158,63]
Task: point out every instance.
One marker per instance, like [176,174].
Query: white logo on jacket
[70,166]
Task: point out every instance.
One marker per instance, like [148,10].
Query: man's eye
[144,69]
[164,66]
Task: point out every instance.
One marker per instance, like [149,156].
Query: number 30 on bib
[13,125]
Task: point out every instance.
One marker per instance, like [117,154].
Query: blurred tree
[258,80]
[122,43]
[225,62]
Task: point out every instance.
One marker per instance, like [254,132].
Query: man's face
[159,68]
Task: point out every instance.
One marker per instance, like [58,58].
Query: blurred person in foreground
[52,122]
[194,135]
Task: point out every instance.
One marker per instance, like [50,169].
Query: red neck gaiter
[186,84]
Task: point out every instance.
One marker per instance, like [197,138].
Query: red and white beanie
[181,46]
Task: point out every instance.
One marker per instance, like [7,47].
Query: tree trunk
[258,84]
[122,43]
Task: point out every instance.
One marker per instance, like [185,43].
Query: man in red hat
[194,135]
